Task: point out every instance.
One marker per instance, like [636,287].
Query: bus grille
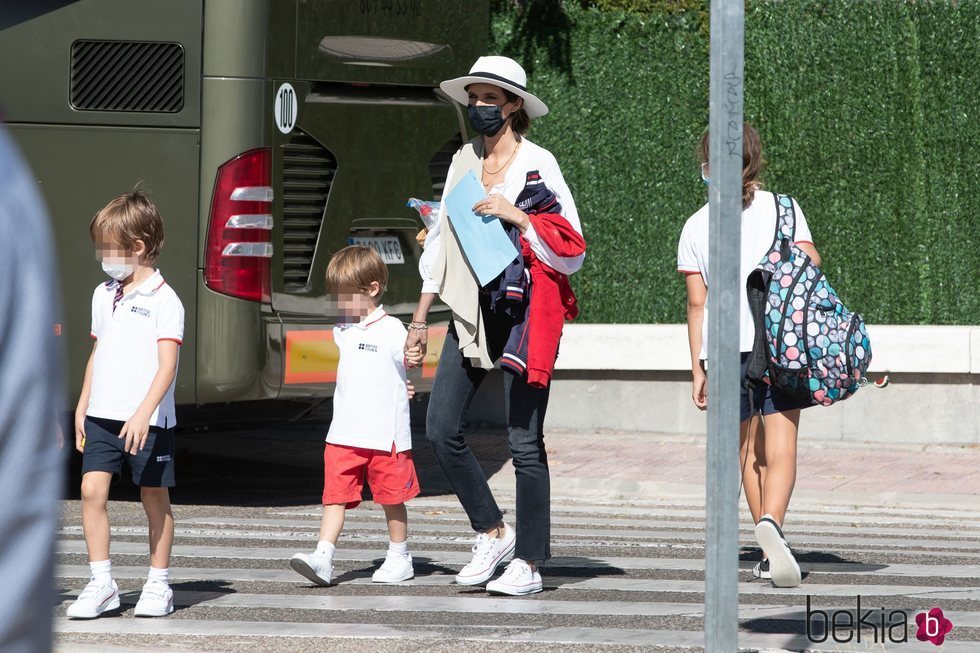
[439,165]
[127,76]
[308,170]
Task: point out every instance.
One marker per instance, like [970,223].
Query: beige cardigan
[458,286]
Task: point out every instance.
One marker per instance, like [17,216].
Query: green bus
[270,133]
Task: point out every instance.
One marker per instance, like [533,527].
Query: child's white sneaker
[156,600]
[318,569]
[395,569]
[761,570]
[782,565]
[517,580]
[488,553]
[95,599]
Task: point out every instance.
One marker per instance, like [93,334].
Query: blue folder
[487,247]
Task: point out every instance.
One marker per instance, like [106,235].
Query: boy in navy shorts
[126,408]
[370,435]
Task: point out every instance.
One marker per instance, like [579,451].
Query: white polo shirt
[370,402]
[126,359]
[758,232]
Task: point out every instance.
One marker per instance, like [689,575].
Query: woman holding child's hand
[500,321]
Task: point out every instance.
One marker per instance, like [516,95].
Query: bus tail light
[239,242]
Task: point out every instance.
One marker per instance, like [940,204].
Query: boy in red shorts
[370,435]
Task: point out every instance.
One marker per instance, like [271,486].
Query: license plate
[388,246]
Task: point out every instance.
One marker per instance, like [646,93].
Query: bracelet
[418,326]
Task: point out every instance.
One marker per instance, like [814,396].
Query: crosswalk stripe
[687,639]
[501,634]
[428,532]
[597,562]
[656,539]
[182,574]
[799,511]
[800,505]
[489,604]
[236,628]
[453,604]
[638,530]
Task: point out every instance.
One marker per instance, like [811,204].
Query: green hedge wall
[868,115]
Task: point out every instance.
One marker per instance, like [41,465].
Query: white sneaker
[517,580]
[488,553]
[95,599]
[782,565]
[761,570]
[318,569]
[395,569]
[156,600]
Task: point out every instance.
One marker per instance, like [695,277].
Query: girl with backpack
[769,418]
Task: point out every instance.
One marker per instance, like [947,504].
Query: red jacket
[552,300]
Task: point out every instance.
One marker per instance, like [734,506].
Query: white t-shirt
[126,359]
[370,402]
[529,157]
[758,232]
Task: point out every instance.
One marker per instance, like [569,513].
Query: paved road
[628,572]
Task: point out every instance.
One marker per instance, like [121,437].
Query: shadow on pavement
[277,464]
[816,560]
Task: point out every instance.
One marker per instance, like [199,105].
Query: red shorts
[391,476]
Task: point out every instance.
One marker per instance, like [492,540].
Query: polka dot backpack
[807,344]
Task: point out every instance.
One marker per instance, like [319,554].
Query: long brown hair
[752,161]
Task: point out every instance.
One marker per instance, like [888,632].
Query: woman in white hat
[527,193]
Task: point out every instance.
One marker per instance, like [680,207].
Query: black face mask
[487,120]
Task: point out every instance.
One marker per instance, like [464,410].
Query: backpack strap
[785,225]
[757,289]
[757,295]
[785,217]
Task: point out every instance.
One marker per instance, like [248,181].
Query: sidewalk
[655,466]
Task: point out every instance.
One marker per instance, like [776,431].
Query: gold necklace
[507,163]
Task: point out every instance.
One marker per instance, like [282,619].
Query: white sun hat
[499,71]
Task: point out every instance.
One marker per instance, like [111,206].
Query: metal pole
[724,229]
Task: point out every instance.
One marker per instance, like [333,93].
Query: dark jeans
[453,389]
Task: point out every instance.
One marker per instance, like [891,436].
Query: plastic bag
[429,211]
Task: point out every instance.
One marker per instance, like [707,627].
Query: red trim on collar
[162,284]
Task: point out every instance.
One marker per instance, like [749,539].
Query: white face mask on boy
[117,271]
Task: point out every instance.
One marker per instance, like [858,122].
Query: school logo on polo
[367,347]
[139,310]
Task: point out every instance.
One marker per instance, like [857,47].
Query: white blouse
[529,157]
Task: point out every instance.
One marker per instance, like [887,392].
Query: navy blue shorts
[103,452]
[766,399]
